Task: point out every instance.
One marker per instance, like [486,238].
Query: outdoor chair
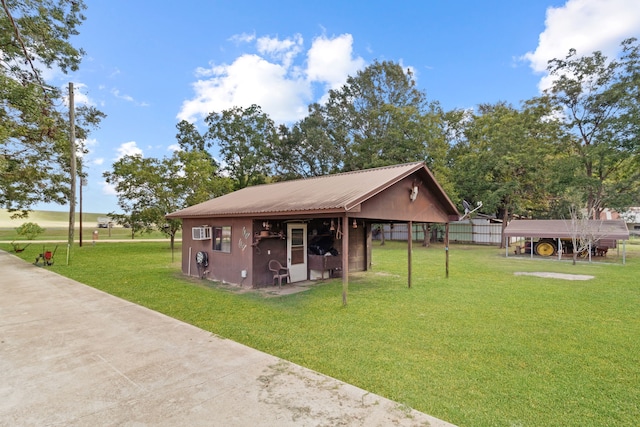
[279,272]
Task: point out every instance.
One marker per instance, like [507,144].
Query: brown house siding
[357,248]
[223,267]
[394,205]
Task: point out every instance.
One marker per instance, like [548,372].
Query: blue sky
[149,65]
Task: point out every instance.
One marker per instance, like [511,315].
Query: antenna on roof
[468,210]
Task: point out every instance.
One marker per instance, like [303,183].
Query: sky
[149,65]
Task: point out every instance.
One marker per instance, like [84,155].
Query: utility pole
[83,182]
[72,193]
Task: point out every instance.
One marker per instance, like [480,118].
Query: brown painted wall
[394,204]
[253,255]
[357,248]
[224,267]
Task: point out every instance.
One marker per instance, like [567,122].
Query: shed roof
[324,194]
[559,228]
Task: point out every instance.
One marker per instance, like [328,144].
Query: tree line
[576,144]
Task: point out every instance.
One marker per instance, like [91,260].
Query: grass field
[56,225]
[481,348]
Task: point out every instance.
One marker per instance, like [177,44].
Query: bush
[30,230]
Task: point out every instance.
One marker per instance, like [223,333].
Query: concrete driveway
[71,355]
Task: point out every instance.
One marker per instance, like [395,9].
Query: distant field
[56,224]
[48,219]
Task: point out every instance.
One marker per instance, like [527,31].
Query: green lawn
[481,348]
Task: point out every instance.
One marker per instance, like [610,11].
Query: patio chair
[279,272]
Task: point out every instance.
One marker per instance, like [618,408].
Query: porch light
[355,224]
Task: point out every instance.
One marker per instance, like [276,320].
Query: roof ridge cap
[361,170]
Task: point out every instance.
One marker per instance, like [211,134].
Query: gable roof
[554,228]
[337,193]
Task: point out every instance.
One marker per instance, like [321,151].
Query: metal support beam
[446,248]
[409,250]
[345,259]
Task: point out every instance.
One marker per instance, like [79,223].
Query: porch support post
[345,259]
[409,250]
[446,248]
[531,239]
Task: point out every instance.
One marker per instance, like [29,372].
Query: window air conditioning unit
[201,233]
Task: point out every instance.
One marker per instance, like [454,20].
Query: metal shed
[241,232]
[606,230]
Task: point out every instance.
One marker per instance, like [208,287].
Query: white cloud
[271,78]
[128,149]
[108,189]
[117,94]
[128,98]
[80,97]
[99,161]
[587,26]
[91,142]
[330,61]
[242,38]
[284,51]
[174,147]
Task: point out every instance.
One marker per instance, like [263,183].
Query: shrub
[30,230]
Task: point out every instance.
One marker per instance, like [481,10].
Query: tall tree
[243,137]
[149,189]
[378,118]
[305,149]
[599,99]
[505,157]
[35,34]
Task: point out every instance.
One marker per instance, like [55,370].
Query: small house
[316,227]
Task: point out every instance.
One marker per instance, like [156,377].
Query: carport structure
[555,230]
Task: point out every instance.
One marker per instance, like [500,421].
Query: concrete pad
[71,355]
[548,275]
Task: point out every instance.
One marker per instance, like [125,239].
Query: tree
[199,167]
[599,99]
[189,138]
[30,230]
[136,181]
[149,189]
[584,232]
[505,157]
[305,150]
[379,117]
[243,137]
[35,34]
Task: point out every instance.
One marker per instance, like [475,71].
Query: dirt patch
[555,275]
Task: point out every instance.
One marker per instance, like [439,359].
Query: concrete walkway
[71,355]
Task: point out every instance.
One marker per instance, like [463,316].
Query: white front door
[297,251]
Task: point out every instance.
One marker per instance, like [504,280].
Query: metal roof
[325,194]
[554,228]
